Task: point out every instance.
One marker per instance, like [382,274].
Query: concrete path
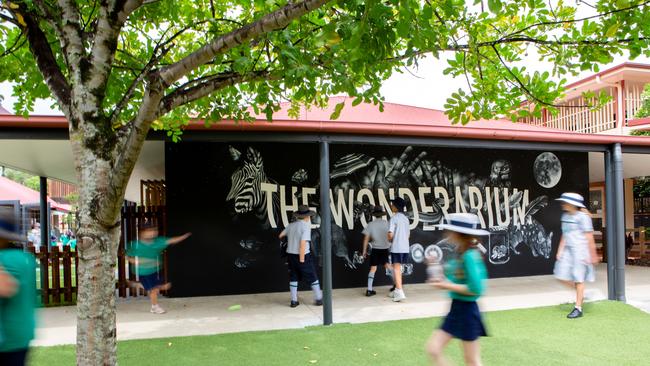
[210,315]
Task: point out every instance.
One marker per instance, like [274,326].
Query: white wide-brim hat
[464,223]
[572,199]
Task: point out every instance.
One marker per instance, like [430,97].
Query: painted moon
[547,170]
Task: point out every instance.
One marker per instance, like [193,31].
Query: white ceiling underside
[53,159]
[634,165]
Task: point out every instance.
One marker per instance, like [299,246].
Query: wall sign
[237,197]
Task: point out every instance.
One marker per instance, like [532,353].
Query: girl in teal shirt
[466,283]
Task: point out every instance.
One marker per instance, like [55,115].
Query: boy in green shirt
[147,250]
[17,294]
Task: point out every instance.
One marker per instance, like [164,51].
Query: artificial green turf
[611,333]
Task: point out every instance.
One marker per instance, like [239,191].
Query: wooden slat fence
[642,205]
[640,243]
[133,218]
[56,272]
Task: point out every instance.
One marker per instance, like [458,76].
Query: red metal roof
[396,120]
[639,122]
[10,191]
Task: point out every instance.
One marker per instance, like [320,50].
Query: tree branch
[10,20]
[18,44]
[109,24]
[45,60]
[72,37]
[268,23]
[138,80]
[521,85]
[600,15]
[206,87]
[131,138]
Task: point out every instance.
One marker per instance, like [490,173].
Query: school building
[234,185]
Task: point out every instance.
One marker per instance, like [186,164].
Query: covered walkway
[210,315]
[363,124]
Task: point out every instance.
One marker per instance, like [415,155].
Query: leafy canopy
[342,47]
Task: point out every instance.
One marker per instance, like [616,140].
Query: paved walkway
[210,315]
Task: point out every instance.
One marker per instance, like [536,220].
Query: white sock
[579,308]
[315,287]
[389,273]
[293,287]
[371,278]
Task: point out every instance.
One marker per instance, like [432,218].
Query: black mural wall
[236,197]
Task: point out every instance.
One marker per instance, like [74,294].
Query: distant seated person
[64,239]
[73,242]
[54,238]
[34,235]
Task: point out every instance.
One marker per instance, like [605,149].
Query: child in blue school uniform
[576,253]
[465,282]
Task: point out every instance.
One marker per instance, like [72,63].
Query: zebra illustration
[245,190]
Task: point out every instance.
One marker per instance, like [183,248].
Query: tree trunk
[96,334]
[98,240]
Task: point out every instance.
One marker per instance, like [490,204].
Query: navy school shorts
[151,281]
[378,257]
[301,271]
[399,258]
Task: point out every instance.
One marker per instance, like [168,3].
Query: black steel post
[45,229]
[610,206]
[619,220]
[325,231]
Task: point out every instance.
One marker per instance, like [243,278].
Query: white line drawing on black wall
[412,168]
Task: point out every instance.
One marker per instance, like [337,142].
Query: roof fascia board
[392,140]
[636,149]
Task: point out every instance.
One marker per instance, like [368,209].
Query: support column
[45,229]
[619,220]
[325,231]
[610,226]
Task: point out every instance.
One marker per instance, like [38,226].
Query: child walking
[299,259]
[17,289]
[466,276]
[576,253]
[147,250]
[398,236]
[376,233]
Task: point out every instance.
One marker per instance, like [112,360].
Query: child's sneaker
[398,295]
[574,314]
[156,309]
[371,293]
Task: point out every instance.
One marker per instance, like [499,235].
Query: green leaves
[337,111]
[644,111]
[611,30]
[495,6]
[348,47]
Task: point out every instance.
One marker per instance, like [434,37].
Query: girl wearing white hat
[576,253]
[466,282]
